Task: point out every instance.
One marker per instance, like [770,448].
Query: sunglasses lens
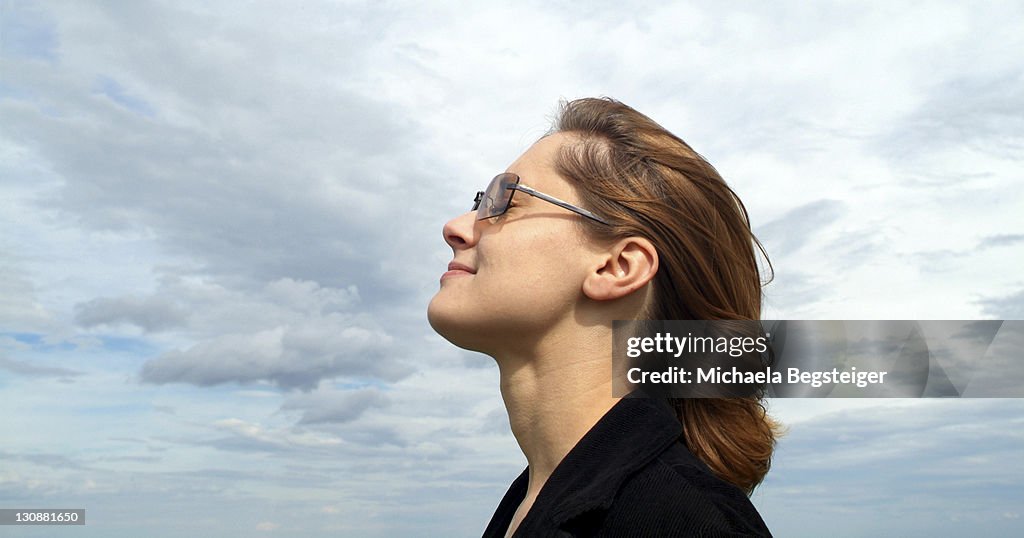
[497,196]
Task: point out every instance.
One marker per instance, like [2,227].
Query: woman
[608,217]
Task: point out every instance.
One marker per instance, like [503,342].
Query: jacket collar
[631,434]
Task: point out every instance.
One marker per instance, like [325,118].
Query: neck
[555,393]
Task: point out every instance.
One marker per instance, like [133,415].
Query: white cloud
[151,314]
[326,405]
[290,356]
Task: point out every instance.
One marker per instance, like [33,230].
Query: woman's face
[524,269]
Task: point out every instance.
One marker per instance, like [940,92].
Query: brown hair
[647,182]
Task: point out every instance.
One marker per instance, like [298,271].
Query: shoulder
[676,495]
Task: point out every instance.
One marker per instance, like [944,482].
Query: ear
[625,267]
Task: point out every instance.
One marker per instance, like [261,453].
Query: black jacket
[630,475]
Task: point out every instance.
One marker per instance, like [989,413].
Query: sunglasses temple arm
[559,203]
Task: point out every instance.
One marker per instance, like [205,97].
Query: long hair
[647,182]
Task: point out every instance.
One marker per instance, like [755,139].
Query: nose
[459,232]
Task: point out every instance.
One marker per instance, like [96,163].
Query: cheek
[524,252]
[537,264]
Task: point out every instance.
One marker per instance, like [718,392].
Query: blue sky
[220,228]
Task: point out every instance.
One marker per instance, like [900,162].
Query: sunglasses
[495,200]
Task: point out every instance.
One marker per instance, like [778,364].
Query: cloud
[250,178]
[51,459]
[292,333]
[979,111]
[797,227]
[30,369]
[327,406]
[21,308]
[150,313]
[293,357]
[1004,307]
[1000,240]
[244,433]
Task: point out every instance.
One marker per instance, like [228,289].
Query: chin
[451,324]
[437,319]
[443,319]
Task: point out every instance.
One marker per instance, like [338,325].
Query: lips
[456,269]
[455,266]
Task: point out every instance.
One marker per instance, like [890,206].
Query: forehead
[535,166]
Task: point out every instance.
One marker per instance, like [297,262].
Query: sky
[220,226]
